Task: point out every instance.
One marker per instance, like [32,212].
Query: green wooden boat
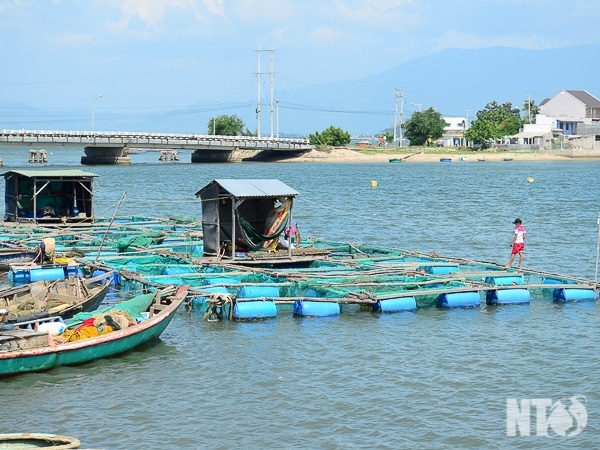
[395,160]
[23,350]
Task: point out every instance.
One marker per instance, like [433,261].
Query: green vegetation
[530,109]
[225,125]
[333,136]
[424,127]
[495,121]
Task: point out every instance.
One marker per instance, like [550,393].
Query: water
[426,379]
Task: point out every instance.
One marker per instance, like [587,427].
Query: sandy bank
[342,154]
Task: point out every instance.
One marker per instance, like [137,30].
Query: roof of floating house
[55,173]
[249,188]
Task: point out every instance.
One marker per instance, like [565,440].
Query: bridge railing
[142,135]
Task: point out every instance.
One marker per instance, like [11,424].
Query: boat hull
[79,352]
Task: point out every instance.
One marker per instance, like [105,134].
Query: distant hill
[453,81]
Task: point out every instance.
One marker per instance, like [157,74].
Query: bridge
[112,147]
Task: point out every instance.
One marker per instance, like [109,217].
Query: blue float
[312,292]
[574,295]
[254,310]
[49,274]
[508,297]
[396,305]
[505,280]
[307,308]
[441,270]
[459,300]
[258,292]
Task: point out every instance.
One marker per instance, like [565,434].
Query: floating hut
[49,196]
[242,220]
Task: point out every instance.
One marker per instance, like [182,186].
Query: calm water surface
[428,379]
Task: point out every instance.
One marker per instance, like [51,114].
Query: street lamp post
[93,110]
[277,128]
[417,104]
[215,119]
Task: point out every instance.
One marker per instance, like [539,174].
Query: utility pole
[529,106]
[395,114]
[258,103]
[401,114]
[271,73]
[258,106]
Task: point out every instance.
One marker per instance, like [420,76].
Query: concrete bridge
[112,147]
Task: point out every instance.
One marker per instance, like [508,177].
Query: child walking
[518,243]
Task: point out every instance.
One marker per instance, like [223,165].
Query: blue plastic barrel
[508,297]
[574,295]
[441,270]
[18,276]
[396,305]
[307,308]
[258,292]
[50,274]
[504,280]
[73,270]
[459,300]
[254,310]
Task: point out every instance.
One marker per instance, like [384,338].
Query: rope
[216,302]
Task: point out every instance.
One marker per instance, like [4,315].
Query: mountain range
[455,82]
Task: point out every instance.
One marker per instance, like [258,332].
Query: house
[570,108]
[454,131]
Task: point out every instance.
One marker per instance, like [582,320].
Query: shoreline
[345,154]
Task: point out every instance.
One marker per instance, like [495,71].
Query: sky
[147,57]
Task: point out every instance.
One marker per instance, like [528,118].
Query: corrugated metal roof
[253,188]
[64,173]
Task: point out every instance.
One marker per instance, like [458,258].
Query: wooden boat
[481,159]
[37,440]
[24,350]
[18,255]
[507,158]
[43,299]
[445,160]
[395,160]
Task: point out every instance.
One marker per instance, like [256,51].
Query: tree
[225,125]
[424,127]
[530,110]
[495,121]
[333,136]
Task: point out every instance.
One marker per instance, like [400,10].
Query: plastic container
[222,280]
[396,305]
[441,270]
[49,274]
[254,310]
[459,300]
[307,308]
[258,292]
[574,295]
[508,297]
[505,280]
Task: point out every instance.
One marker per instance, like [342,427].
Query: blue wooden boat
[445,160]
[24,350]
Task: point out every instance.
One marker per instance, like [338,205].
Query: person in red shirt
[518,243]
